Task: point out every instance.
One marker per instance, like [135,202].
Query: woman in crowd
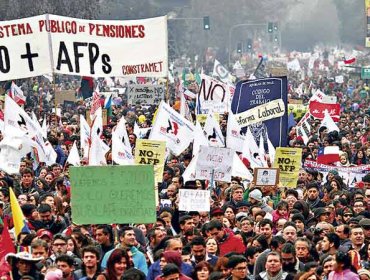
[202,271]
[118,262]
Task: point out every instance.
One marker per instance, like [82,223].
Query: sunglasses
[347,215]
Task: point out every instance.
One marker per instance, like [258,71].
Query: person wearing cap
[299,222]
[45,235]
[313,198]
[255,198]
[365,224]
[23,264]
[217,213]
[321,214]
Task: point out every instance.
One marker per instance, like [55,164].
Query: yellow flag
[20,223]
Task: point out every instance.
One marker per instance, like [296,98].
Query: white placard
[194,200]
[216,161]
[49,43]
[145,94]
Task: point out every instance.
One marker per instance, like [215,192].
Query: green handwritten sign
[113,194]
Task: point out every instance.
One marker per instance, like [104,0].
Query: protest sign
[55,44]
[112,194]
[298,110]
[145,94]
[213,96]
[289,161]
[216,162]
[151,152]
[270,110]
[317,110]
[350,175]
[104,115]
[65,95]
[266,176]
[250,94]
[194,200]
[166,203]
[201,118]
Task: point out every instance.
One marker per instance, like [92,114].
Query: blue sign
[249,94]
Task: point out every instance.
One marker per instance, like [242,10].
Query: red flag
[349,61]
[317,110]
[6,247]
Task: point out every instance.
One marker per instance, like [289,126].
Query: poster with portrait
[266,176]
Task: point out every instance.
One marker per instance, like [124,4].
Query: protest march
[119,161]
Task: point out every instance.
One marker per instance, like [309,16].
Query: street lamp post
[240,25]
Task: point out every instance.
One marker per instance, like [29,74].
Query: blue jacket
[138,258]
[155,270]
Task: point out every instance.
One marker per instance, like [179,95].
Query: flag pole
[167,91]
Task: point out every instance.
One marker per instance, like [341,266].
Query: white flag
[84,135]
[97,123]
[51,155]
[272,150]
[189,173]
[74,157]
[234,139]
[262,152]
[171,127]
[239,169]
[10,159]
[140,132]
[328,122]
[251,150]
[17,122]
[213,132]
[44,128]
[220,71]
[121,132]
[199,139]
[17,94]
[96,152]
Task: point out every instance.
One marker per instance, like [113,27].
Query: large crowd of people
[318,230]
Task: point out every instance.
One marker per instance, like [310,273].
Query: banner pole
[167,92]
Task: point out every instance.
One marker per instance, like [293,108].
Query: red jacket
[231,243]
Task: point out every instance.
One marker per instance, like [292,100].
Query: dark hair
[343,258]
[60,236]
[184,218]
[65,258]
[107,230]
[44,208]
[170,269]
[265,222]
[276,241]
[333,238]
[262,240]
[123,230]
[115,257]
[235,260]
[198,240]
[288,248]
[282,204]
[214,224]
[291,192]
[133,274]
[90,249]
[251,251]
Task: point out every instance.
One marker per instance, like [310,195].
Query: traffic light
[249,44]
[270,27]
[206,23]
[276,27]
[276,39]
[239,48]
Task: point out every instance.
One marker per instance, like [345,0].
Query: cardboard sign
[65,95]
[194,200]
[145,94]
[113,194]
[213,96]
[151,152]
[266,176]
[55,44]
[216,162]
[105,116]
[289,161]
